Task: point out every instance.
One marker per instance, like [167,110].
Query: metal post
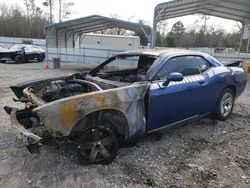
[241,37]
[248,41]
[153,32]
[46,44]
[155,21]
[73,40]
[65,39]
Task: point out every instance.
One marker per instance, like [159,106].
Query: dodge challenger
[127,96]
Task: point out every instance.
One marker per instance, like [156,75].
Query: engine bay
[63,88]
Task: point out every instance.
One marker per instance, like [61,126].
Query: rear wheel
[98,145]
[19,59]
[224,106]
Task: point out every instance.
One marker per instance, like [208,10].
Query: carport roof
[238,10]
[96,23]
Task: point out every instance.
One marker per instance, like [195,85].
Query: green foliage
[169,40]
[178,28]
[158,39]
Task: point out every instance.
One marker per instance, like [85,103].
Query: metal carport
[64,34]
[238,10]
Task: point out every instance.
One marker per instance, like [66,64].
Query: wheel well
[110,118]
[233,88]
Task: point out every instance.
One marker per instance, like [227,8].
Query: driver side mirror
[174,77]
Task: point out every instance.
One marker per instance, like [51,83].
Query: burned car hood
[18,89]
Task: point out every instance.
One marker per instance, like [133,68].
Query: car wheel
[225,105]
[98,145]
[40,58]
[19,59]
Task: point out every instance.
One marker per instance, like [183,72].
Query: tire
[19,59]
[40,58]
[97,145]
[224,106]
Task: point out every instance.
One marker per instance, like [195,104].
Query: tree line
[205,36]
[29,23]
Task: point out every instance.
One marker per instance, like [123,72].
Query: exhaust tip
[8,109]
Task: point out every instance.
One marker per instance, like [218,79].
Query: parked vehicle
[129,95]
[21,53]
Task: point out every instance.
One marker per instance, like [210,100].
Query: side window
[203,64]
[184,64]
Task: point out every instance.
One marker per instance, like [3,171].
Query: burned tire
[224,106]
[19,59]
[97,145]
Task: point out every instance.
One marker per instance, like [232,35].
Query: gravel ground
[205,153]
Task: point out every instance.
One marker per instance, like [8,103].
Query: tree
[64,9]
[50,4]
[14,22]
[169,40]
[178,28]
[162,27]
[158,39]
[32,10]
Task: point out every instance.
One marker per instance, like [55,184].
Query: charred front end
[35,94]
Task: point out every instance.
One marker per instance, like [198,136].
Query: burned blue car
[127,96]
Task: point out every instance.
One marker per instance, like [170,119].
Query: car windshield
[125,62]
[16,47]
[121,63]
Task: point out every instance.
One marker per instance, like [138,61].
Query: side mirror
[174,77]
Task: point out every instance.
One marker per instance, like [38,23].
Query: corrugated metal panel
[231,9]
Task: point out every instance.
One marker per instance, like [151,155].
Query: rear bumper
[25,135]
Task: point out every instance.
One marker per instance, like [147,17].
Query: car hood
[18,89]
[4,50]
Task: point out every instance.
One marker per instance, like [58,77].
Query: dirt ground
[205,153]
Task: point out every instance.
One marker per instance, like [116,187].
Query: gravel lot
[205,153]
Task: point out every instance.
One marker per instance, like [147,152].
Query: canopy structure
[64,34]
[238,10]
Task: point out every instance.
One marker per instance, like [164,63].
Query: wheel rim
[226,104]
[97,145]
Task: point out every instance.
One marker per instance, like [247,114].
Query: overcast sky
[135,9]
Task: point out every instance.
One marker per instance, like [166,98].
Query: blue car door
[178,101]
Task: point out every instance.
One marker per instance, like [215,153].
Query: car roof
[162,51]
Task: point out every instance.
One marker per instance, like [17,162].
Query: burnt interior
[103,77]
[127,75]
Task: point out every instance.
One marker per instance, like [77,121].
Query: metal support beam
[56,38]
[248,42]
[145,34]
[152,43]
[241,37]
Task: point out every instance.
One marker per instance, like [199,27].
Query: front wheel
[19,59]
[40,58]
[225,105]
[98,145]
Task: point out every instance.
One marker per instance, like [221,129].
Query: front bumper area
[25,135]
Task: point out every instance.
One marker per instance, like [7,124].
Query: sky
[132,10]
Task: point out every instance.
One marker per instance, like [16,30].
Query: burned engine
[59,89]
